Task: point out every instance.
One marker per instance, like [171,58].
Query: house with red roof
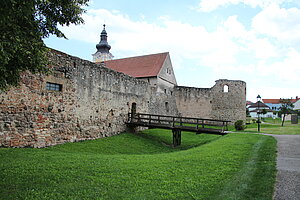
[275,104]
[156,69]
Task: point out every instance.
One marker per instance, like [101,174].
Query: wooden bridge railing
[182,123]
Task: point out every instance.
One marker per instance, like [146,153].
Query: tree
[23,25]
[285,108]
[263,112]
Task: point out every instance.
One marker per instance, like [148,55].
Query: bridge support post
[176,137]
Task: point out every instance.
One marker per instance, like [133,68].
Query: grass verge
[277,129]
[143,166]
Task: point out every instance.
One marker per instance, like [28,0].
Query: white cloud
[279,23]
[210,5]
[234,28]
[218,50]
[263,48]
[269,92]
[131,38]
[288,69]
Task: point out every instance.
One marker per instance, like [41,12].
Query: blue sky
[257,41]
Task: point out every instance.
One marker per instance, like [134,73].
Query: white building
[297,105]
[254,108]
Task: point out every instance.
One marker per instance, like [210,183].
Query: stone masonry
[213,103]
[93,102]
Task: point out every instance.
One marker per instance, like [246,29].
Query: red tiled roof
[276,101]
[140,66]
[273,101]
[294,100]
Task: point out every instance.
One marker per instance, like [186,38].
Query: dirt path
[288,166]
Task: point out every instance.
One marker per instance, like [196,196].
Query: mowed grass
[143,166]
[277,129]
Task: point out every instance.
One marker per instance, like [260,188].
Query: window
[53,86]
[167,106]
[168,71]
[225,88]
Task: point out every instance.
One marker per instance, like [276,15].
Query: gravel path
[288,166]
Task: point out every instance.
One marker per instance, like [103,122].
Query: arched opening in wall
[225,88]
[167,106]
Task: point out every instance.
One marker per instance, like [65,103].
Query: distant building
[297,105]
[254,108]
[275,104]
[156,69]
[102,53]
[248,103]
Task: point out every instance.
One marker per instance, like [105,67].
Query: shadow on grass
[189,139]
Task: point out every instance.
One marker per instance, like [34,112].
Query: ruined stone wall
[215,102]
[162,103]
[230,105]
[93,103]
[193,102]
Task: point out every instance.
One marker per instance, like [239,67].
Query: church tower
[103,48]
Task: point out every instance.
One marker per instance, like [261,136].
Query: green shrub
[239,125]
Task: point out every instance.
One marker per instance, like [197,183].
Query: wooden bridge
[178,124]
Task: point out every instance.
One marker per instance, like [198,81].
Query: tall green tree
[285,108]
[23,25]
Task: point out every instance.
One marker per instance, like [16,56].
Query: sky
[256,41]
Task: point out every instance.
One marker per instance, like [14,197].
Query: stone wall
[214,103]
[229,105]
[93,103]
[162,103]
[193,102]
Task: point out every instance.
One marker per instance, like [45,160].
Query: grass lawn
[143,166]
[277,129]
[274,121]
